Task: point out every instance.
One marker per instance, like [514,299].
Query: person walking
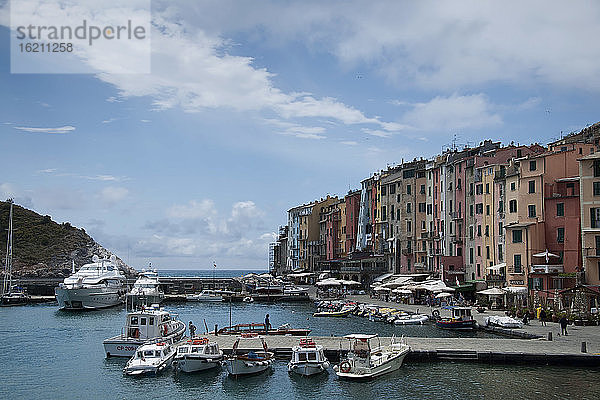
[563,325]
[543,317]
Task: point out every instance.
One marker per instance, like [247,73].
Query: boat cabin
[148,323]
[360,345]
[157,350]
[198,347]
[462,313]
[308,351]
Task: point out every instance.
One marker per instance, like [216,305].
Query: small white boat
[308,358]
[249,362]
[205,295]
[503,322]
[197,354]
[140,326]
[99,284]
[146,289]
[365,360]
[412,319]
[248,299]
[151,358]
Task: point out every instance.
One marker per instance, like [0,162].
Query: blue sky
[254,107]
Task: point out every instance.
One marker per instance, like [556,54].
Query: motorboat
[205,295]
[259,328]
[503,322]
[146,289]
[411,319]
[150,359]
[367,358]
[149,323]
[249,362]
[99,284]
[341,313]
[15,296]
[461,319]
[308,358]
[197,354]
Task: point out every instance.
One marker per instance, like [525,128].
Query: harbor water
[49,353]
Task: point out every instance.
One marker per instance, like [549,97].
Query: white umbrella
[492,292]
[439,296]
[350,283]
[516,289]
[401,291]
[329,282]
[546,254]
[382,289]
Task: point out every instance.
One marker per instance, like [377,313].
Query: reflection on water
[52,354]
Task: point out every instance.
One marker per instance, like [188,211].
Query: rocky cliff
[44,249]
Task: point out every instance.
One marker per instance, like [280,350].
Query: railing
[495,278]
[456,215]
[591,252]
[547,269]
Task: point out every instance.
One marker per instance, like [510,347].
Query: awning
[516,289]
[383,277]
[497,267]
[401,291]
[440,295]
[492,292]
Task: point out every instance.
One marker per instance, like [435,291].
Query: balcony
[424,235]
[495,278]
[547,269]
[455,239]
[591,252]
[456,215]
[499,175]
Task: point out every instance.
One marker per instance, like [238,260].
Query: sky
[251,108]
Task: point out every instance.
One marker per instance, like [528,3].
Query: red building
[352,210]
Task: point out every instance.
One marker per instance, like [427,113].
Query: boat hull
[308,368]
[88,298]
[122,346]
[144,369]
[196,364]
[336,314]
[237,366]
[14,300]
[457,325]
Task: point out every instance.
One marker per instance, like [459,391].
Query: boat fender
[345,366]
[436,313]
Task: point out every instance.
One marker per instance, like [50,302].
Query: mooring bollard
[583,347]
[549,336]
[216,329]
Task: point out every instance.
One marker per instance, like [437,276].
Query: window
[471,232]
[519,153]
[422,191]
[487,209]
[531,210]
[392,189]
[517,264]
[479,189]
[398,214]
[383,213]
[487,231]
[392,212]
[594,217]
[487,252]
[487,188]
[538,283]
[408,227]
[560,235]
[408,189]
[429,208]
[532,165]
[500,255]
[471,255]
[478,230]
[596,188]
[478,269]
[512,206]
[531,186]
[479,208]
[423,226]
[458,184]
[500,206]
[513,186]
[449,186]
[459,251]
[399,198]
[597,168]
[598,245]
[478,251]
[383,190]
[422,207]
[471,210]
[408,208]
[517,236]
[560,209]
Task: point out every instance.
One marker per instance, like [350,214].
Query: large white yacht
[149,323]
[99,284]
[146,289]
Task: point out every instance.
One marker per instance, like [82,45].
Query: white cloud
[62,129]
[349,142]
[111,195]
[192,210]
[10,191]
[453,112]
[377,132]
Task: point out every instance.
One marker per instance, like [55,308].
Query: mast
[7,283]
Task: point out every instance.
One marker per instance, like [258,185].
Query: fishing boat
[367,358]
[461,319]
[308,358]
[249,362]
[259,328]
[146,289]
[150,359]
[99,284]
[143,325]
[11,295]
[205,295]
[197,354]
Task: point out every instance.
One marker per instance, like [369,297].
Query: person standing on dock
[563,325]
[543,317]
[267,323]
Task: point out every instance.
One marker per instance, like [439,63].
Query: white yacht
[149,323]
[366,360]
[308,358]
[249,362]
[150,358]
[205,295]
[146,289]
[197,354]
[99,284]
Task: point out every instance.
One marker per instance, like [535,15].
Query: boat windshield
[182,350]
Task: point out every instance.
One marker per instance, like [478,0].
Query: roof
[590,156]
